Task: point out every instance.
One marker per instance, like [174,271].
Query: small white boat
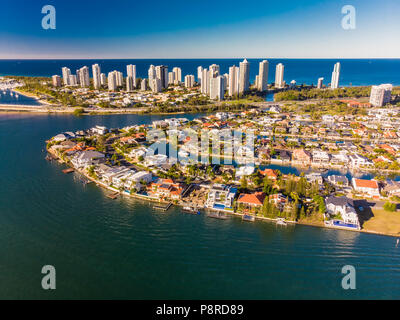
[281,221]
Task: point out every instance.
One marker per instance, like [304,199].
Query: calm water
[122,248]
[356,72]
[10,97]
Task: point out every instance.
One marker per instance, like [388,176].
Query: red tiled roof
[366,183]
[256,198]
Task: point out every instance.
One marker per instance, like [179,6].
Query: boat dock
[112,195]
[164,207]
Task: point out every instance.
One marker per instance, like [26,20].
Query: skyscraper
[129,84]
[72,80]
[217,88]
[335,76]
[177,75]
[103,79]
[233,86]
[96,76]
[56,81]
[171,77]
[66,72]
[205,82]
[262,81]
[199,73]
[84,79]
[189,81]
[112,80]
[156,86]
[244,69]
[214,70]
[280,69]
[162,74]
[151,75]
[320,82]
[120,78]
[131,72]
[380,95]
[143,85]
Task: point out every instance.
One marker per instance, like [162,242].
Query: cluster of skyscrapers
[212,83]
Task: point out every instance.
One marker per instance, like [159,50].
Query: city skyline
[307,29]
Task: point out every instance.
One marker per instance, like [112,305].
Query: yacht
[281,221]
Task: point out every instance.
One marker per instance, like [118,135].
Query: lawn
[383,222]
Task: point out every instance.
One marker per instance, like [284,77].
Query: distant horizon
[232,58]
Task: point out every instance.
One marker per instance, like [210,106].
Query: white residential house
[243,171]
[339,158]
[319,156]
[358,161]
[337,180]
[368,187]
[99,130]
[220,197]
[136,180]
[155,160]
[86,158]
[343,206]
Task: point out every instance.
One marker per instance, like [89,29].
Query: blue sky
[199,29]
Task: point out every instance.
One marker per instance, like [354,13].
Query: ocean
[356,72]
[123,248]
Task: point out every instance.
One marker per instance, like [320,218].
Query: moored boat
[281,221]
[247,217]
[191,210]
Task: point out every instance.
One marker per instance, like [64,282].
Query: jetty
[162,207]
[112,195]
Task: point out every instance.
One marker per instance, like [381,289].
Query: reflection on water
[13,97]
[124,248]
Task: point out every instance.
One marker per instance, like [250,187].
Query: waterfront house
[244,171]
[314,176]
[269,173]
[283,155]
[87,158]
[302,156]
[220,197]
[167,188]
[252,200]
[137,180]
[367,187]
[392,188]
[343,206]
[339,158]
[357,160]
[320,157]
[155,160]
[278,199]
[101,130]
[337,180]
